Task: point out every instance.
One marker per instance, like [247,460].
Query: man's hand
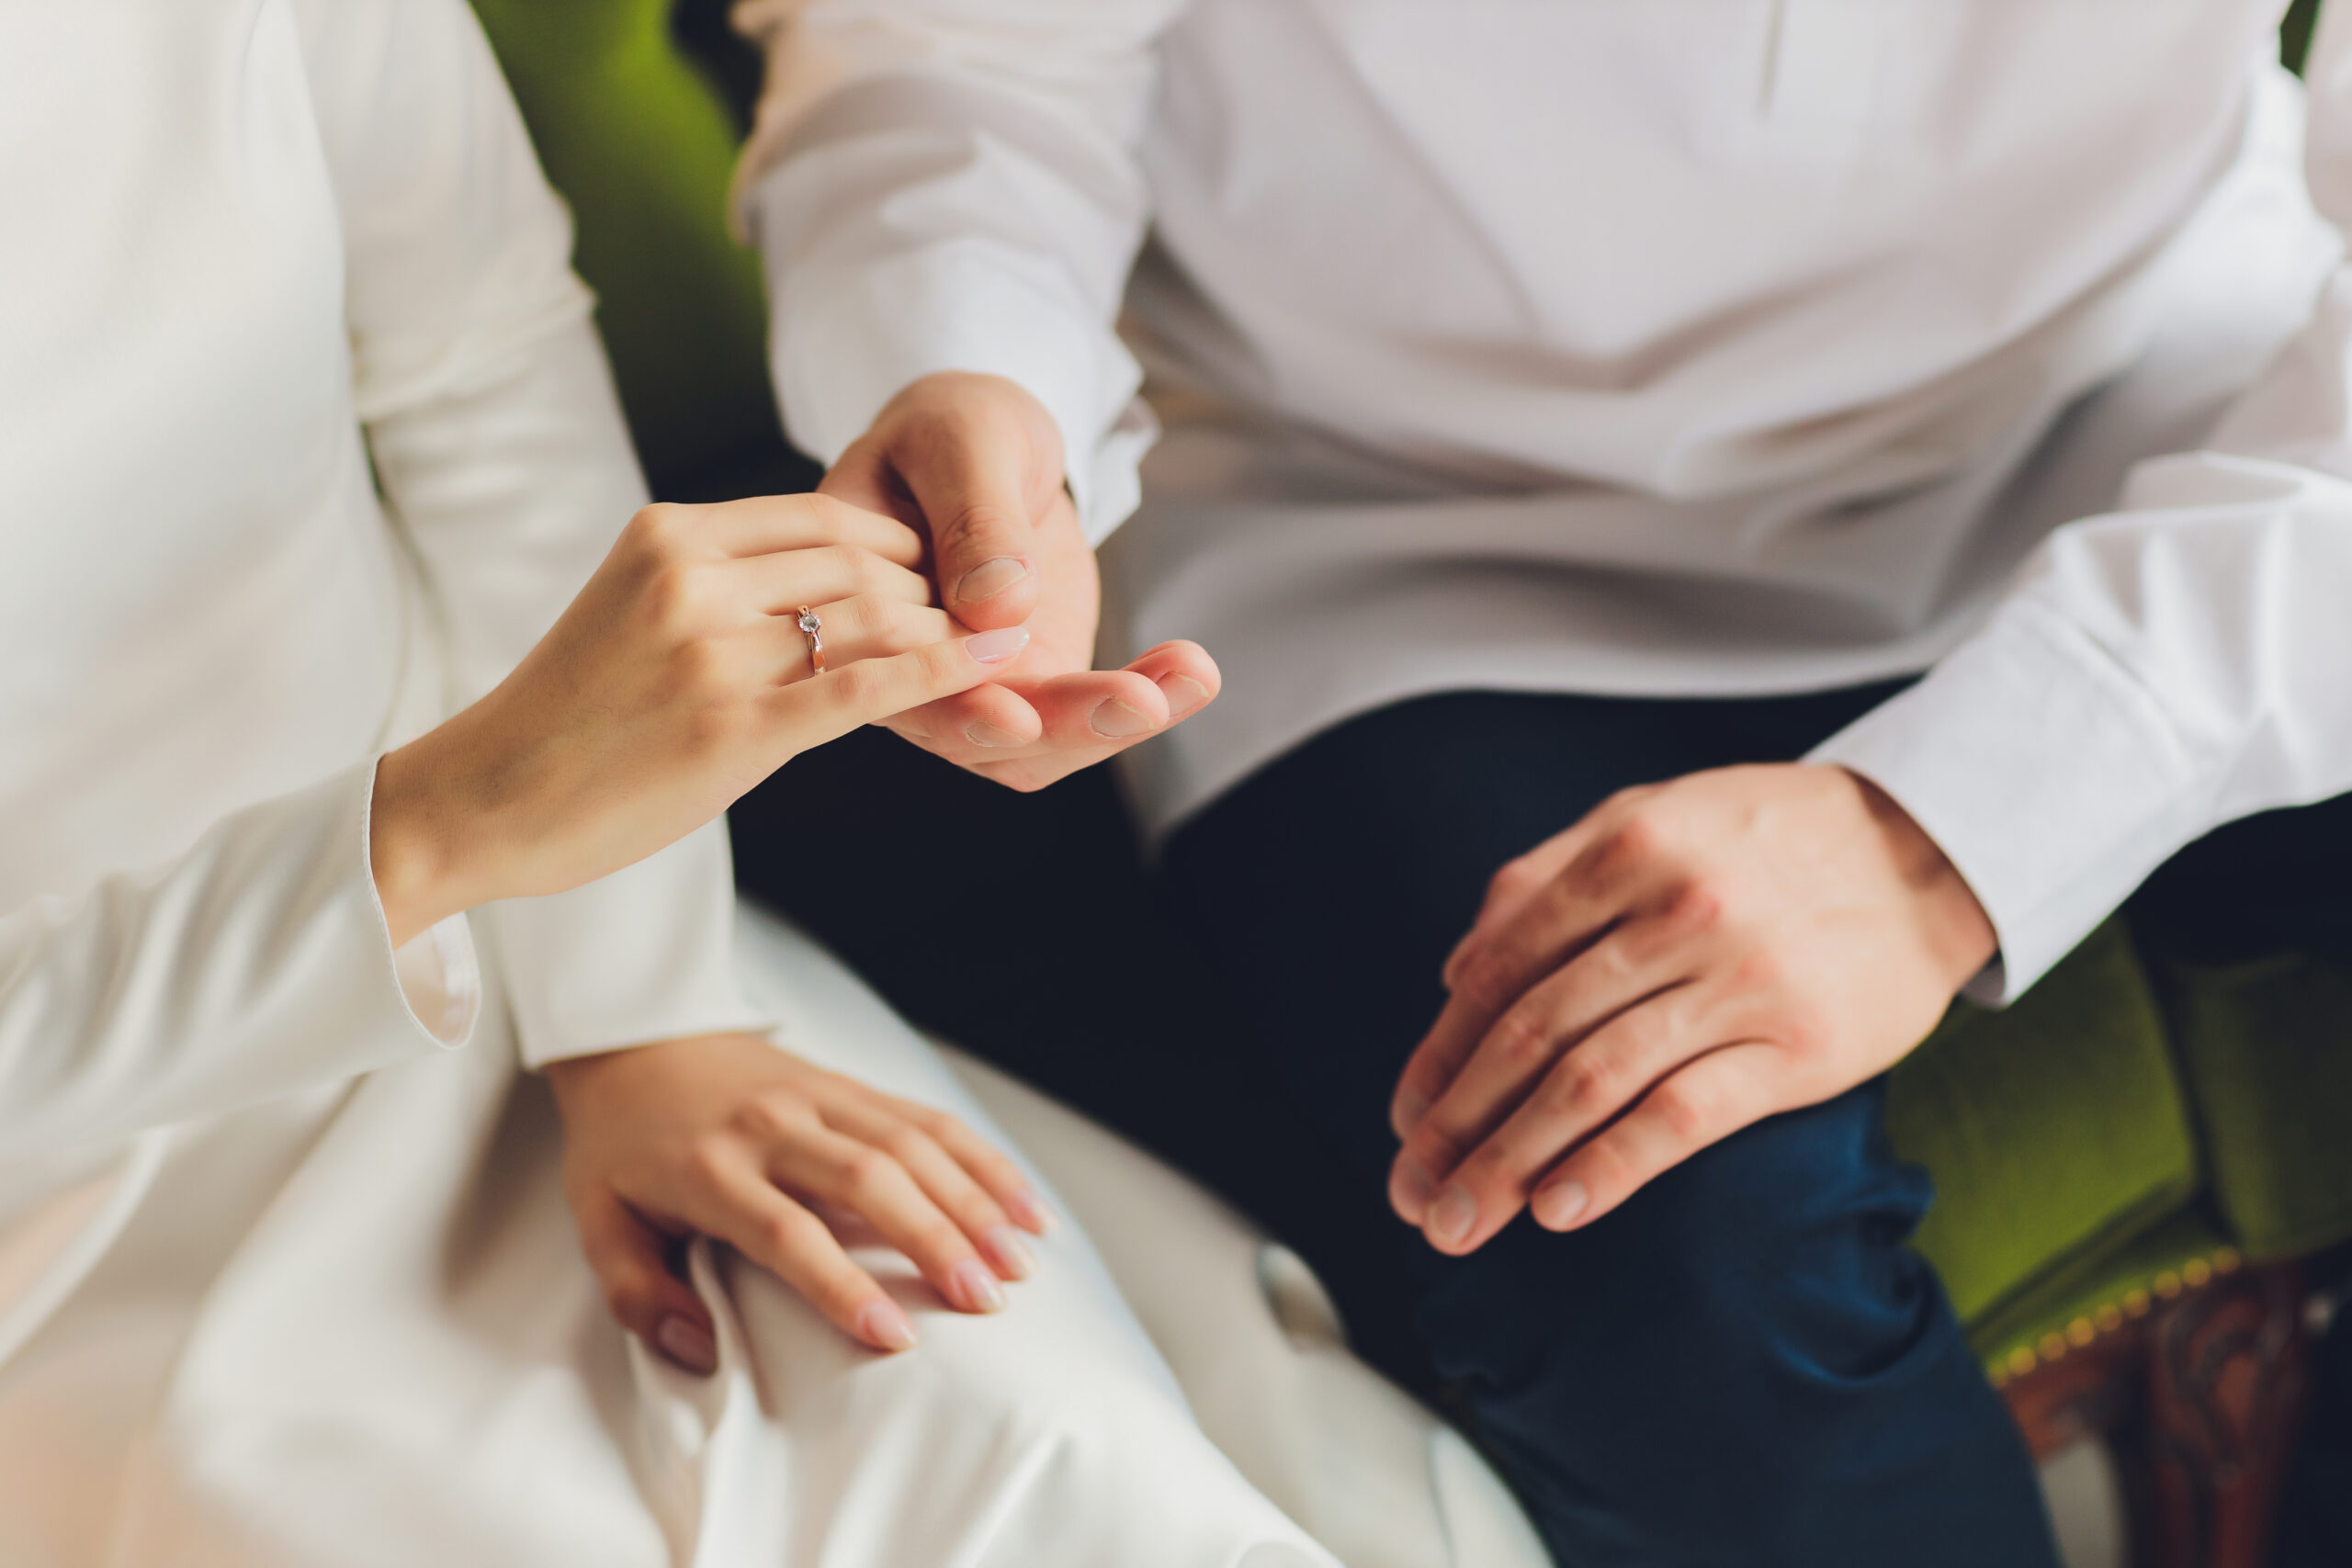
[726,1135]
[976,464]
[1690,958]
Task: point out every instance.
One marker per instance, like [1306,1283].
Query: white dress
[304,437]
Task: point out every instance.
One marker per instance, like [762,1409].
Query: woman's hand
[728,1137]
[677,680]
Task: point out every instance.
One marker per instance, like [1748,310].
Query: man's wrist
[1959,931]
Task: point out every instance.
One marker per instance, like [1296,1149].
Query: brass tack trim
[2110,1316]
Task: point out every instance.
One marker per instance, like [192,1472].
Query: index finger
[1559,919]
[827,706]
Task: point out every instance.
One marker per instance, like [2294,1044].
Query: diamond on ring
[814,630]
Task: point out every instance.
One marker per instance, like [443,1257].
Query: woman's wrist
[419,850]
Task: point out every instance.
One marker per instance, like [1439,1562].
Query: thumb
[974,484]
[643,1296]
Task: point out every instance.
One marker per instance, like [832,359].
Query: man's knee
[1782,1242]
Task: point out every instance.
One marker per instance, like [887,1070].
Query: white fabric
[259,1304]
[352,1328]
[1718,347]
[1251,1334]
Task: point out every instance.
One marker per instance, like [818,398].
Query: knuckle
[864,1174]
[1640,837]
[973,522]
[1512,878]
[856,687]
[786,1236]
[1684,1109]
[1521,1039]
[907,1145]
[657,530]
[1588,1084]
[1489,978]
[766,1117]
[709,1163]
[1697,907]
[845,563]
[1759,971]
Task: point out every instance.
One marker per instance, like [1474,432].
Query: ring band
[814,630]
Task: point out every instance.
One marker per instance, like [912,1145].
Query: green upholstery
[2077,1076]
[2125,1129]
[640,145]
[2267,1050]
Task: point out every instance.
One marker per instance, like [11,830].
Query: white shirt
[1693,346]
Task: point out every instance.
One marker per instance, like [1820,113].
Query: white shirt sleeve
[254,965]
[937,186]
[499,445]
[2161,670]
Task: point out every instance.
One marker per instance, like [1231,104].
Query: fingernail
[990,578]
[879,1322]
[1452,1216]
[980,732]
[1410,1107]
[1556,1207]
[996,646]
[1010,1253]
[1114,720]
[1414,1185]
[1183,695]
[973,1288]
[1030,1211]
[686,1343]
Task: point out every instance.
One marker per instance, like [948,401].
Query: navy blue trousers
[1743,1365]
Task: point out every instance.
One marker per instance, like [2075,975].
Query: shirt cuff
[2051,779]
[442,980]
[646,954]
[844,345]
[439,973]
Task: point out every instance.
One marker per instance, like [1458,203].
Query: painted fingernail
[980,732]
[1010,1253]
[1452,1216]
[685,1342]
[990,578]
[973,1288]
[996,646]
[1413,1186]
[1557,1207]
[1410,1107]
[1029,1211]
[1114,720]
[879,1322]
[1185,694]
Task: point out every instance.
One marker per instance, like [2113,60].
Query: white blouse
[281,228]
[1681,347]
